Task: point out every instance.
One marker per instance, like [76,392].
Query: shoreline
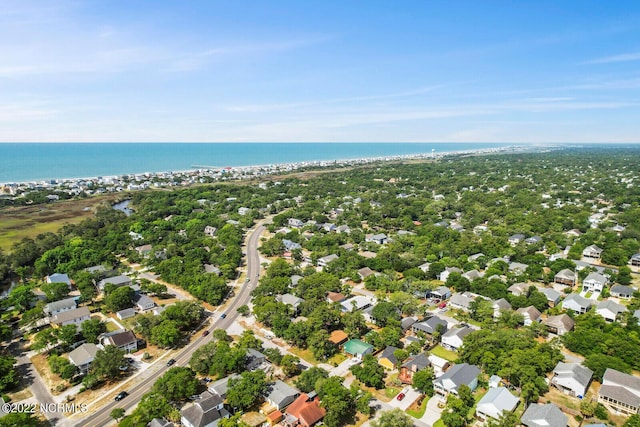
[283,165]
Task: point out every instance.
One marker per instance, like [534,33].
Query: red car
[443,305]
[400,396]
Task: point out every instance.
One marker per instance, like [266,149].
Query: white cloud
[624,57]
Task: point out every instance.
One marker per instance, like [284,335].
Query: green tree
[119,299]
[320,346]
[337,401]
[8,374]
[290,365]
[91,330]
[632,421]
[307,380]
[22,297]
[117,413]
[245,391]
[67,335]
[55,291]
[165,334]
[423,381]
[19,419]
[393,418]
[176,384]
[107,362]
[370,372]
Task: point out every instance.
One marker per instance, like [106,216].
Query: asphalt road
[102,416]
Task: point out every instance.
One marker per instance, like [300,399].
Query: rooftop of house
[547,415]
[576,371]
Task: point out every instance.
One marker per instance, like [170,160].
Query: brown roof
[275,416]
[123,338]
[335,297]
[307,412]
[338,337]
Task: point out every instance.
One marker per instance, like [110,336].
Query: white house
[83,356]
[461,374]
[610,310]
[530,314]
[71,317]
[572,378]
[452,339]
[576,303]
[325,260]
[56,307]
[497,401]
[594,282]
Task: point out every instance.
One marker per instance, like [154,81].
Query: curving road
[102,416]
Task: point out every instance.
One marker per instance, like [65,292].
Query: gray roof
[83,354]
[143,300]
[65,316]
[407,322]
[502,304]
[279,392]
[461,374]
[595,277]
[612,306]
[116,280]
[461,299]
[59,278]
[621,289]
[417,362]
[160,422]
[221,386]
[533,312]
[622,387]
[548,415]
[550,293]
[388,353]
[431,325]
[460,332]
[561,320]
[500,398]
[291,300]
[574,370]
[204,412]
[566,274]
[126,313]
[58,305]
[580,301]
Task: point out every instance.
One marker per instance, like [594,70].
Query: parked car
[400,396]
[443,305]
[223,315]
[171,362]
[121,396]
[205,333]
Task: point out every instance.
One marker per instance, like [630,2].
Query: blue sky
[358,71]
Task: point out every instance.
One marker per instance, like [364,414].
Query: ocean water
[23,162]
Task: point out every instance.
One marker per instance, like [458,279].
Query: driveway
[432,414]
[411,396]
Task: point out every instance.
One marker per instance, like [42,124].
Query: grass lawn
[445,354]
[111,326]
[390,392]
[306,355]
[418,412]
[439,423]
[337,359]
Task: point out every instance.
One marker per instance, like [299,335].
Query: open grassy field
[17,223]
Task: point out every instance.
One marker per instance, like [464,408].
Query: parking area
[411,396]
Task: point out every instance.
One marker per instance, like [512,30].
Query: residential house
[412,365]
[295,279]
[59,278]
[210,230]
[620,392]
[280,395]
[496,402]
[453,338]
[325,260]
[83,355]
[517,268]
[500,306]
[243,210]
[610,310]
[456,376]
[143,302]
[387,358]
[444,275]
[125,341]
[144,250]
[547,415]
[290,300]
[495,381]
[515,239]
[63,305]
[126,313]
[430,326]
[519,289]
[406,323]
[357,348]
[441,293]
[290,245]
[379,238]
[553,296]
[365,272]
[160,422]
[425,267]
[572,378]
[577,304]
[295,223]
[255,360]
[622,291]
[462,301]
[207,412]
[565,277]
[475,257]
[71,317]
[530,314]
[335,297]
[472,275]
[592,252]
[533,240]
[221,386]
[439,365]
[305,411]
[338,337]
[560,324]
[358,302]
[594,282]
[116,280]
[635,260]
